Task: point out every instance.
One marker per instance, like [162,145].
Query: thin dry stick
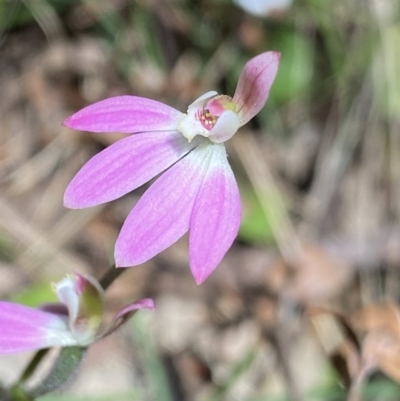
[355,391]
[333,161]
[268,195]
[389,75]
[54,260]
[46,18]
[281,346]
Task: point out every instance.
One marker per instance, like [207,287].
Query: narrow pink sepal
[127,114]
[216,217]
[144,303]
[162,214]
[124,166]
[126,313]
[23,329]
[254,84]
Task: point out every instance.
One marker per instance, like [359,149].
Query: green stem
[33,364]
[110,276]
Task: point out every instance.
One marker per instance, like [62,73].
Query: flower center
[203,115]
[206,118]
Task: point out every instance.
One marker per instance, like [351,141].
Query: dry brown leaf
[381,345]
[266,312]
[339,341]
[378,317]
[381,349]
[315,275]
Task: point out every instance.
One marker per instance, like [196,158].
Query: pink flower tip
[65,123]
[146,303]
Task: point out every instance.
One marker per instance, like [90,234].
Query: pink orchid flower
[75,321]
[197,192]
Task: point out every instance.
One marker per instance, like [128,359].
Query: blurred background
[305,304]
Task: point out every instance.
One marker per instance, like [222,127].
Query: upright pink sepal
[162,214]
[254,84]
[126,114]
[24,329]
[216,217]
[124,166]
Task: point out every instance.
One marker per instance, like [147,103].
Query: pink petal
[254,84]
[216,217]
[162,214]
[124,166]
[127,114]
[24,329]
